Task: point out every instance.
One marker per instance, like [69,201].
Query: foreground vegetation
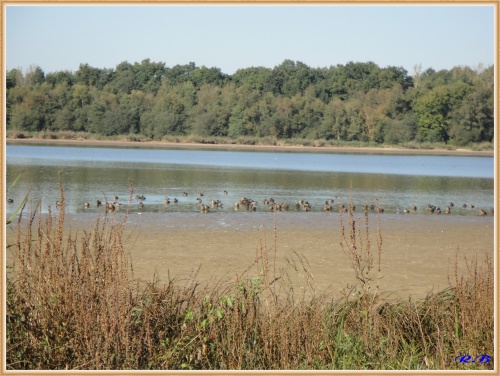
[355,102]
[72,303]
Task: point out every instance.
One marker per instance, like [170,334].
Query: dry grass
[73,303]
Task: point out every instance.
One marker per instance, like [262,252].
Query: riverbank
[256,147]
[254,291]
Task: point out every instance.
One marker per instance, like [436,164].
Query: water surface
[397,181]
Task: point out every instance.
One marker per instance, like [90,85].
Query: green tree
[432,110]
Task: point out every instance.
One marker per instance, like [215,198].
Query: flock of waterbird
[271,205]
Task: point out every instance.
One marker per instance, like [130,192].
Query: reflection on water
[89,174]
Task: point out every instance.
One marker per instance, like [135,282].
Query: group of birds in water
[272,205]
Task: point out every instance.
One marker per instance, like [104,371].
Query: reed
[73,303]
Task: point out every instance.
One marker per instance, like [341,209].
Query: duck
[141,205]
[447,210]
[414,208]
[225,193]
[87,205]
[482,212]
[98,203]
[175,200]
[184,194]
[10,201]
[471,206]
[406,211]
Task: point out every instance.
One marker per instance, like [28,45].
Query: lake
[174,239]
[397,181]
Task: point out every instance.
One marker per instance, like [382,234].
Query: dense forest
[351,102]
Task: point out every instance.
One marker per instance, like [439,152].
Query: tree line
[358,101]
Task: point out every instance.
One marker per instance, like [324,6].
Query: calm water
[397,181]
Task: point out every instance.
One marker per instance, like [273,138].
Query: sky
[58,38]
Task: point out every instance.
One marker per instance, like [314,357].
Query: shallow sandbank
[417,253]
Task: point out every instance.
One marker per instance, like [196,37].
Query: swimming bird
[99,203]
[87,205]
[414,208]
[482,212]
[10,201]
[141,205]
[447,210]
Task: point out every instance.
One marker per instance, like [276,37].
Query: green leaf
[14,183]
[19,209]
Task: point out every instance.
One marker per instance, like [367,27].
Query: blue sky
[233,37]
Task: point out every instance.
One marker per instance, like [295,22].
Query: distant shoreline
[314,149]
